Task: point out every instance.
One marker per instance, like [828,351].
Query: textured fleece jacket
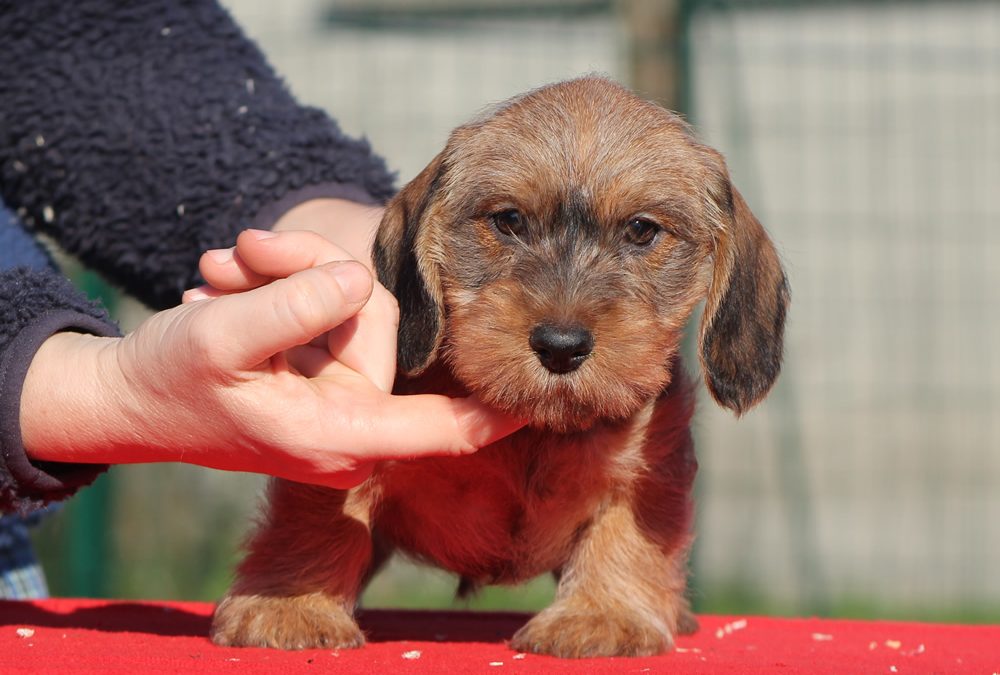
[138,135]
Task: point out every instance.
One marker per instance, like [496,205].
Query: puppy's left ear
[743,325]
[405,268]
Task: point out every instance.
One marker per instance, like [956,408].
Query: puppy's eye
[510,222]
[641,232]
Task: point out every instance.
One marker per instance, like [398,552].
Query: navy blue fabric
[17,247]
[21,576]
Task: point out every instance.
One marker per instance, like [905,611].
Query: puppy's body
[546,261]
[524,501]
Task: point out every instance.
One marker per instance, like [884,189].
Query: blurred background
[864,135]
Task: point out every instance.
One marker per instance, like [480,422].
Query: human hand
[366,342]
[214,383]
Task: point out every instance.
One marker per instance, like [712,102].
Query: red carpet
[88,635]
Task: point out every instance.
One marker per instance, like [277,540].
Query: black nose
[561,349]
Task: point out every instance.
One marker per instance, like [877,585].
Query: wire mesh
[867,138]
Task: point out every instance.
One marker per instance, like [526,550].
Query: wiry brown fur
[597,488]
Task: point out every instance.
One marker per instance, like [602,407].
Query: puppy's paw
[299,622]
[579,634]
[687,622]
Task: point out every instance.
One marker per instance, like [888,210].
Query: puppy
[546,261]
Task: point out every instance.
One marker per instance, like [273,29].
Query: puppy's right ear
[407,271]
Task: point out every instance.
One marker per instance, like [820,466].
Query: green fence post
[87,542]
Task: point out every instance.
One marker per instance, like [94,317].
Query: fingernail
[262,234]
[195,295]
[220,256]
[353,279]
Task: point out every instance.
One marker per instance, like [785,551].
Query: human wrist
[76,405]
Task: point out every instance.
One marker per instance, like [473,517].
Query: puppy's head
[553,251]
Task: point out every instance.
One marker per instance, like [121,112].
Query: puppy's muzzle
[561,349]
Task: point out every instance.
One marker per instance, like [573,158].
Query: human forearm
[352,226]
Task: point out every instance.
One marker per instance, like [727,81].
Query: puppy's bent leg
[621,593]
[297,587]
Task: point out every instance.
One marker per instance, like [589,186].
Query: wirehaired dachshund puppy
[547,261]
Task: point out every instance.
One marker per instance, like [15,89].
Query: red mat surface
[137,637]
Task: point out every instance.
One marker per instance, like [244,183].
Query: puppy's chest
[508,512]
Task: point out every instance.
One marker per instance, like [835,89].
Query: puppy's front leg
[297,587]
[620,594]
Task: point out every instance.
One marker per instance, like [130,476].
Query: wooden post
[657,60]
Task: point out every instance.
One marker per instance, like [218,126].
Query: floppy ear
[404,267]
[744,321]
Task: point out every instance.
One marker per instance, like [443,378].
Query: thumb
[290,312]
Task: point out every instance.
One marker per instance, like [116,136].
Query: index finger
[224,269]
[424,425]
[281,254]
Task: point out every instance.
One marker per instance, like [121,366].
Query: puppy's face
[553,252]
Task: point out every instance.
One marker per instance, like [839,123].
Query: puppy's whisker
[523,245]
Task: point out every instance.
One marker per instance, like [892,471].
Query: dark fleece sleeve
[140,134]
[35,304]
